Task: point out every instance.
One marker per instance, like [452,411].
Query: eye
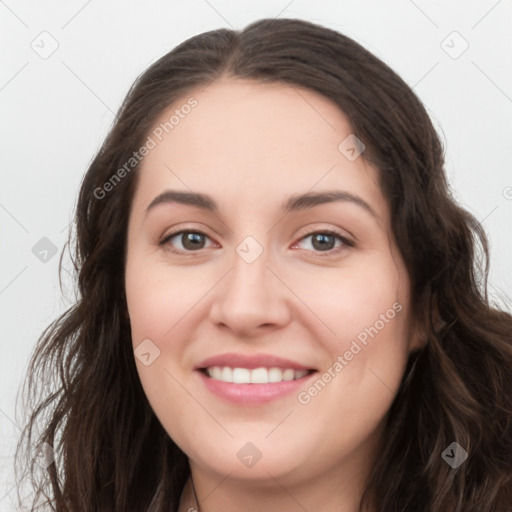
[190,241]
[324,242]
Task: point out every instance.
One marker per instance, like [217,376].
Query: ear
[417,340]
[418,337]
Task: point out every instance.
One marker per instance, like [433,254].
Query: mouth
[252,379]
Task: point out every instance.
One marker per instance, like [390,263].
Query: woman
[280,306]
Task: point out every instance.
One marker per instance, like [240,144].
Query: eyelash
[330,252]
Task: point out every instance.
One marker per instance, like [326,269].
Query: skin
[250,146]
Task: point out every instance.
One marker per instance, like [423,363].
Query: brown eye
[189,240]
[325,242]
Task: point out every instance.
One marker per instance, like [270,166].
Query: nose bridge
[252,254]
[250,278]
[251,295]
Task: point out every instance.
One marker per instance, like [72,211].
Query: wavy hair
[82,387]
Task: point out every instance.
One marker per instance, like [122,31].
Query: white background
[56,111]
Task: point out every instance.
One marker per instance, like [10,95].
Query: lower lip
[246,394]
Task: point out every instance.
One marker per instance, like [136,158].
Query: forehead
[256,143]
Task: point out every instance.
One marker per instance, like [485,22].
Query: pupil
[323,238]
[192,240]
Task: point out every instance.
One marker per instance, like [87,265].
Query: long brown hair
[82,387]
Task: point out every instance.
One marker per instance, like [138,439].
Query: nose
[252,298]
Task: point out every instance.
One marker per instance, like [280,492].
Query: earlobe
[419,337]
[418,341]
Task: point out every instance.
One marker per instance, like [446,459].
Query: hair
[112,453]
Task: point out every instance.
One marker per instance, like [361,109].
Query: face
[305,308]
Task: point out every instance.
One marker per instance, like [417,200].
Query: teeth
[226,374]
[256,376]
[241,375]
[275,375]
[259,376]
[288,374]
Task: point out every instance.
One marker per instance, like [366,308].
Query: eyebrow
[294,203]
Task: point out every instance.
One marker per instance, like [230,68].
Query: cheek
[159,297]
[349,299]
[366,310]
[157,306]
[367,358]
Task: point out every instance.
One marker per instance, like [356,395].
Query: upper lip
[233,360]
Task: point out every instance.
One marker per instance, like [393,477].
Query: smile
[252,379]
[254,376]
